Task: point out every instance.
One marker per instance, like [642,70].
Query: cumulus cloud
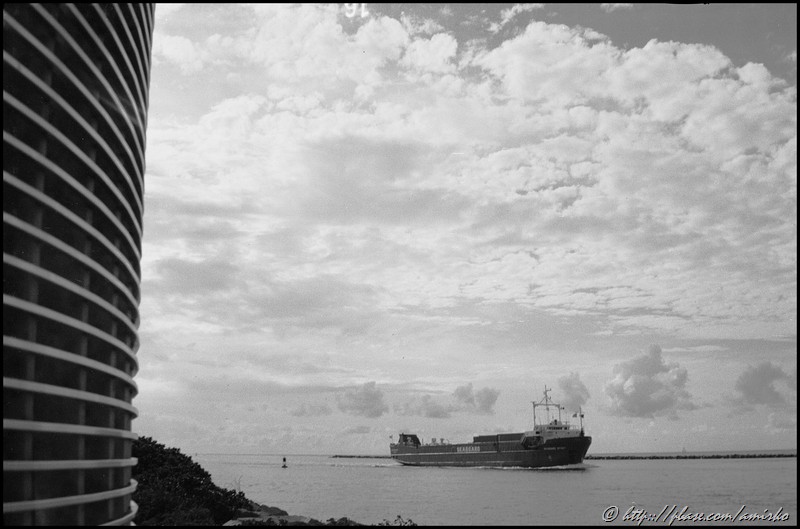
[426,406]
[317,46]
[311,410]
[364,401]
[637,189]
[463,400]
[765,384]
[417,25]
[604,153]
[647,386]
[481,401]
[610,8]
[178,50]
[574,392]
[507,15]
[432,55]
[781,422]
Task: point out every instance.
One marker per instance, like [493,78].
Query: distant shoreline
[689,456]
[632,456]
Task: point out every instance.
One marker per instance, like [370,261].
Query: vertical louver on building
[75,86]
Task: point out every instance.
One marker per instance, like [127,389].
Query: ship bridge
[550,429]
[553,430]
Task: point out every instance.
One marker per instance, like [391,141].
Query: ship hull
[556,452]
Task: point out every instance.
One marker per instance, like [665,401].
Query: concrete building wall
[75,85]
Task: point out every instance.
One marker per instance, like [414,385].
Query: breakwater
[635,456]
[364,457]
[686,456]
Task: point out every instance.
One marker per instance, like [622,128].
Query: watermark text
[673,513]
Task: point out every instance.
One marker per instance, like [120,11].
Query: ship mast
[546,402]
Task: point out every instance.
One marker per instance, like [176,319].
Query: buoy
[284,463]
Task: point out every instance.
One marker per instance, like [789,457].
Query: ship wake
[557,468]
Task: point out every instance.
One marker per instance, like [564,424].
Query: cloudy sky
[362,221]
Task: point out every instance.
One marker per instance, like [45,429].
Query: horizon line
[726,452]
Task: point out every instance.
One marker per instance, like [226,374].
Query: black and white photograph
[400,264]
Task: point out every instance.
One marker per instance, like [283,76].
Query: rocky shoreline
[266,515]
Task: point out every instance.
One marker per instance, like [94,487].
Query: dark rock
[272,511]
[243,513]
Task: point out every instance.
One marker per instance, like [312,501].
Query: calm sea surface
[370,490]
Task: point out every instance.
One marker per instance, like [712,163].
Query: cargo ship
[551,443]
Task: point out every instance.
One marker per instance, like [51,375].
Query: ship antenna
[546,403]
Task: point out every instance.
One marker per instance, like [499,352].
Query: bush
[174,490]
[399,521]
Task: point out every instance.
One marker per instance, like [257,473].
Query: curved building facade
[75,92]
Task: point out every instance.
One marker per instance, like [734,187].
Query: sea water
[622,492]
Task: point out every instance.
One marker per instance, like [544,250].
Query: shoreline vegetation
[635,456]
[174,490]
